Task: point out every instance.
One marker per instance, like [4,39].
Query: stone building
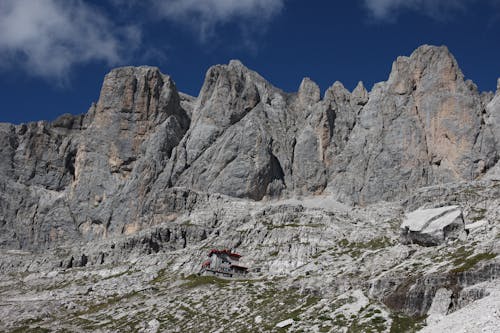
[223,263]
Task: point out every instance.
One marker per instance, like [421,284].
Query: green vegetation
[460,254]
[187,223]
[470,262]
[477,214]
[294,225]
[108,302]
[127,272]
[471,192]
[318,254]
[340,320]
[404,324]
[342,301]
[271,226]
[29,325]
[160,277]
[28,329]
[355,249]
[195,281]
[310,301]
[372,244]
[56,286]
[376,324]
[378,243]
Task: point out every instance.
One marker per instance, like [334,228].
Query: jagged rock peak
[435,62]
[144,93]
[127,70]
[337,91]
[151,74]
[230,82]
[360,94]
[236,67]
[360,89]
[309,92]
[235,63]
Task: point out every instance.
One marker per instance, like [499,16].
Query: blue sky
[55,53]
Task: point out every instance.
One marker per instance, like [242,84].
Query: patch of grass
[271,226]
[471,191]
[127,272]
[195,281]
[318,254]
[291,300]
[378,243]
[344,243]
[110,301]
[187,223]
[477,214]
[311,300]
[29,325]
[190,312]
[355,249]
[375,324]
[470,262]
[160,277]
[58,286]
[404,324]
[28,329]
[340,320]
[342,301]
[460,254]
[394,223]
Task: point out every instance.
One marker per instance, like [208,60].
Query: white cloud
[48,38]
[204,15]
[437,9]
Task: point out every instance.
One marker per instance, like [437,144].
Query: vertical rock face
[133,128]
[102,173]
[425,125]
[227,149]
[493,127]
[76,176]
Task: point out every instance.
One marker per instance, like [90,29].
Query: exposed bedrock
[106,173]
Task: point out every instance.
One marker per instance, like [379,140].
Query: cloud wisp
[388,10]
[47,38]
[204,16]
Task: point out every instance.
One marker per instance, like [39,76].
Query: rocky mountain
[358,211]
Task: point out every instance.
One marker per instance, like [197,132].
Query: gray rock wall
[105,173]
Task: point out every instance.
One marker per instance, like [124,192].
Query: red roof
[225,251]
[206,263]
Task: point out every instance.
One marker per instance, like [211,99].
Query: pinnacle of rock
[309,92]
[236,63]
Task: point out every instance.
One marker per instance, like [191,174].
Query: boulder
[284,323]
[430,227]
[440,305]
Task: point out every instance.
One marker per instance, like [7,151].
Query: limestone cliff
[104,173]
